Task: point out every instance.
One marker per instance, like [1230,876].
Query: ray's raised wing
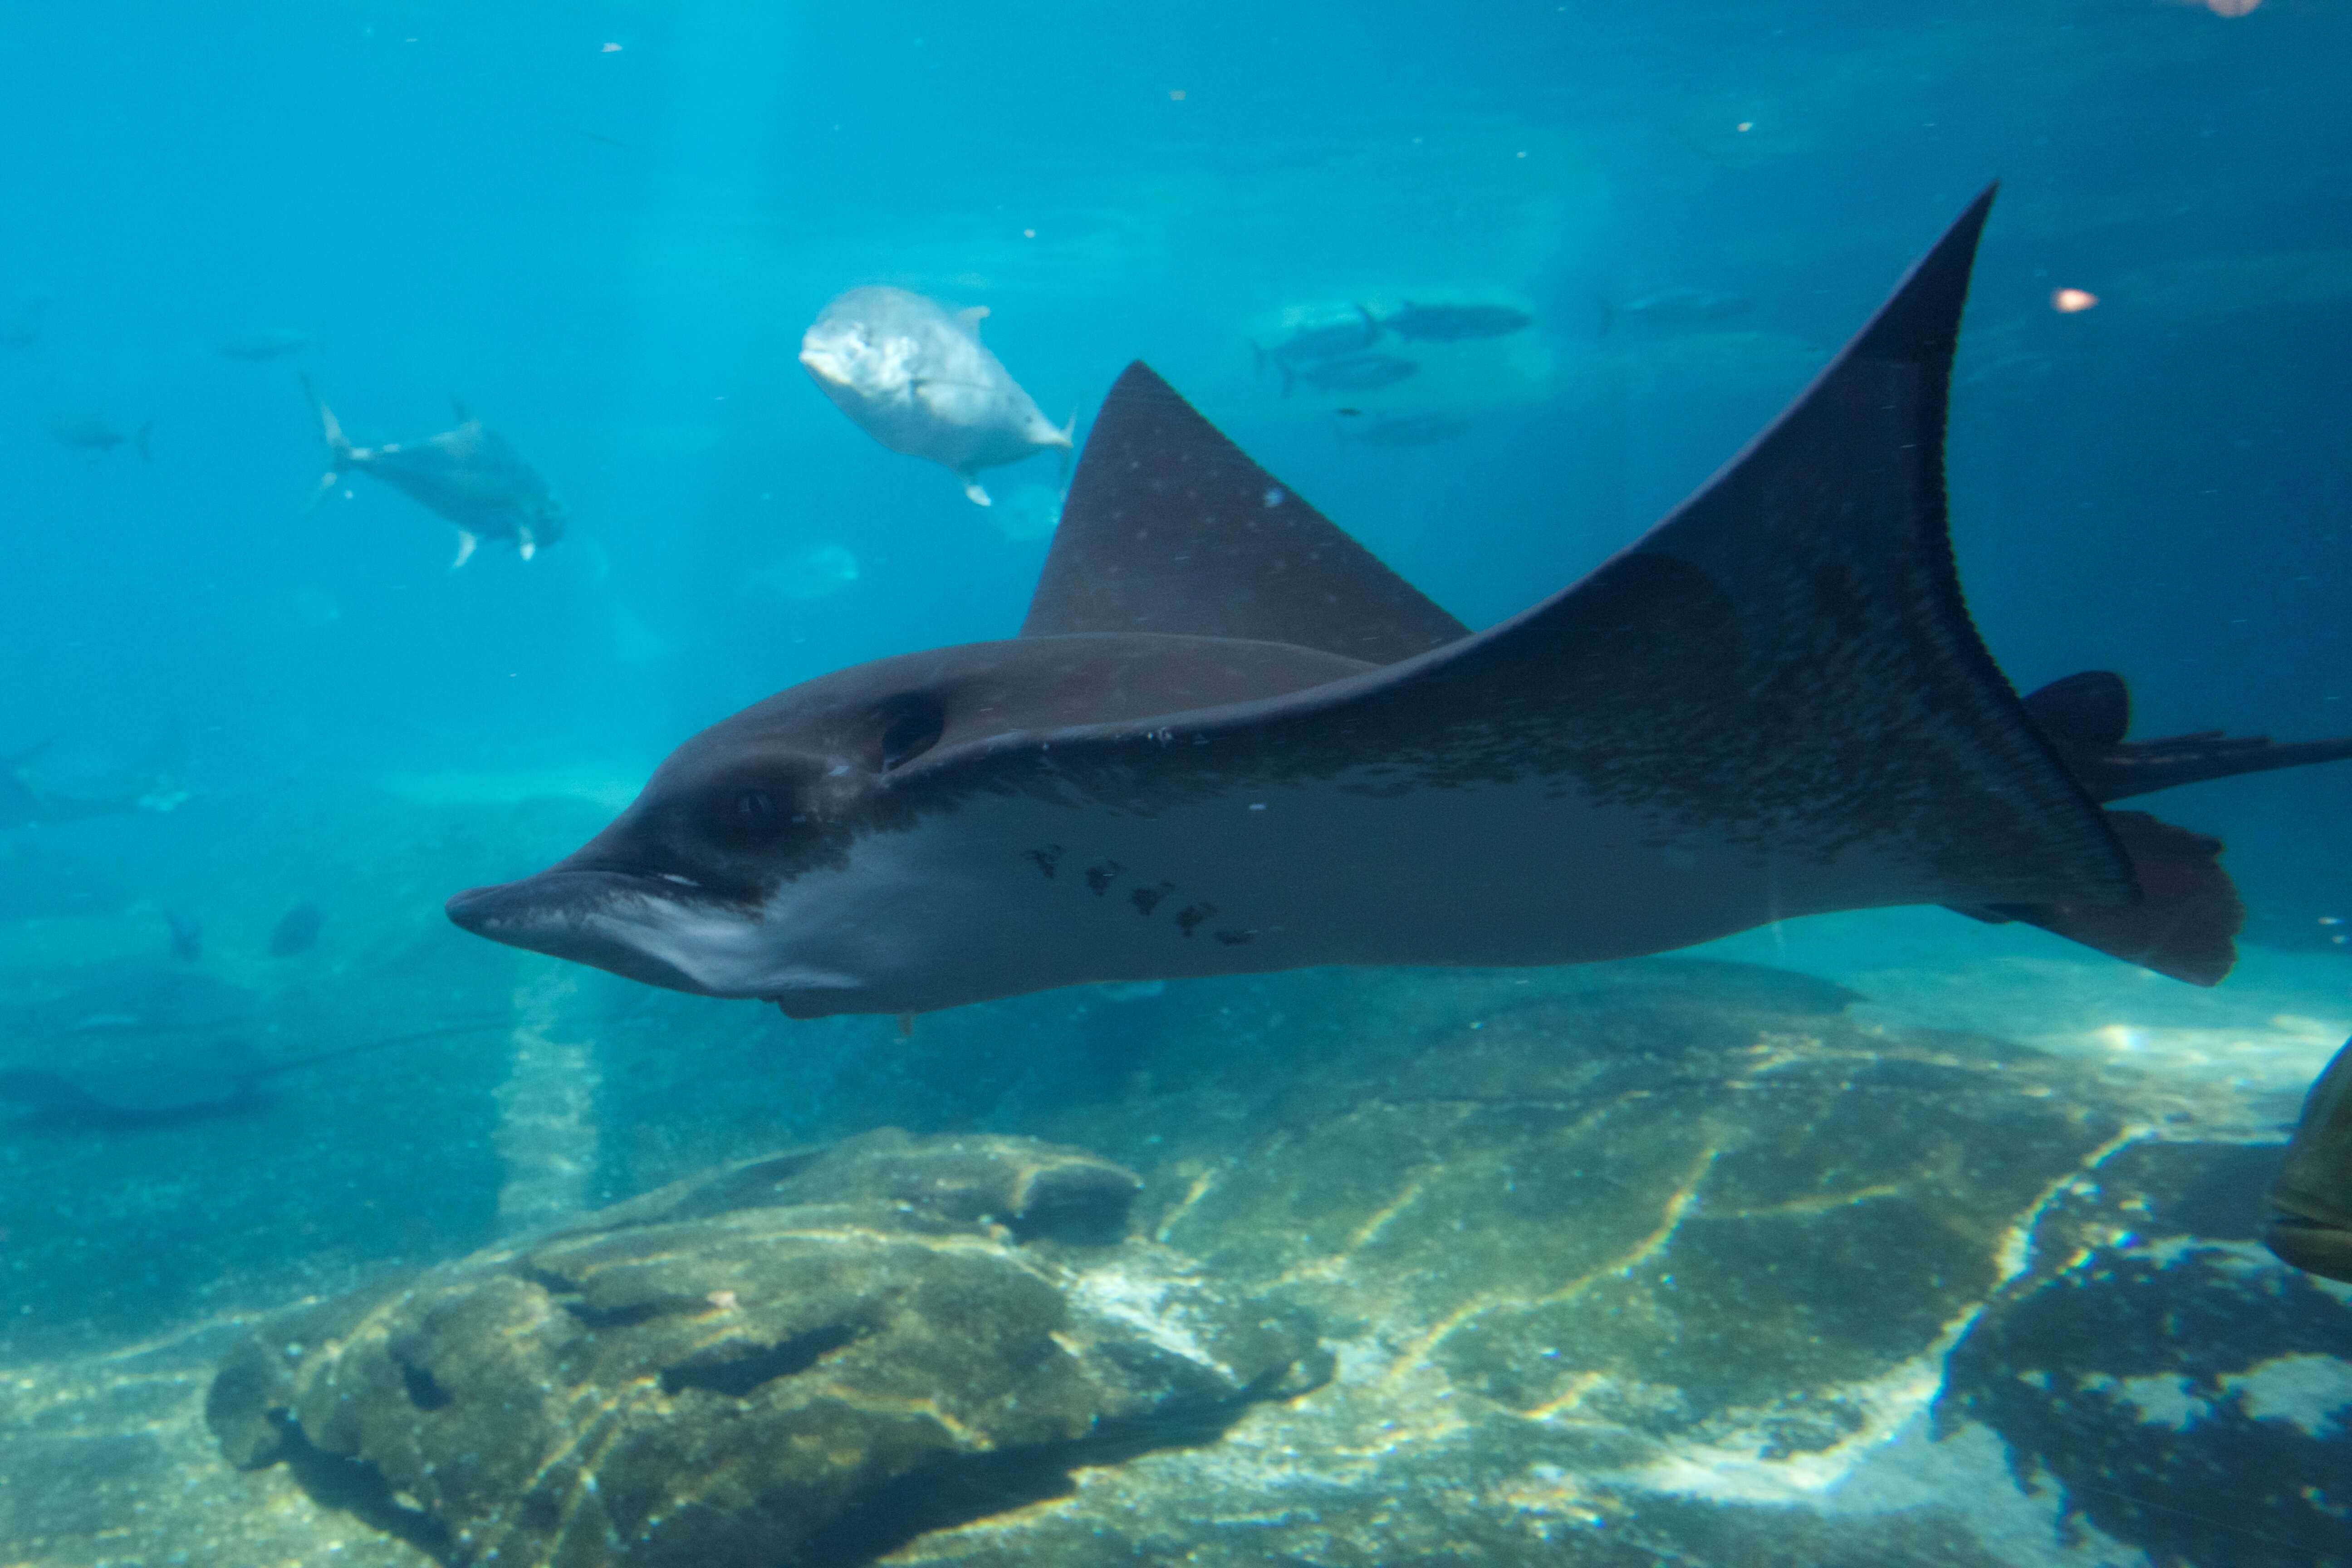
[1784,663]
[1171,528]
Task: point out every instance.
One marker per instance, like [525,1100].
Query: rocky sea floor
[1880,1241]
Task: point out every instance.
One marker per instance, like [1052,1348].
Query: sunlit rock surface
[1685,1263]
[810,1358]
[2154,1354]
[1677,1261]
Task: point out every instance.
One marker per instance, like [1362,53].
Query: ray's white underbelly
[1009,896]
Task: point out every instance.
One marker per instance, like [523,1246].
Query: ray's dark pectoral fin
[1783,671]
[2188,918]
[1783,667]
[1855,719]
[1171,528]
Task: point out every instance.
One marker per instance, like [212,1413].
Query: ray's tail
[2188,916]
[339,447]
[2086,717]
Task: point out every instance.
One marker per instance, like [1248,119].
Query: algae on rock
[808,1358]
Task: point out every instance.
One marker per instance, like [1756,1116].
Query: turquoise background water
[605,226]
[610,255]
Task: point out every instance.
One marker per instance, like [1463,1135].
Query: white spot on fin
[974,494]
[466,542]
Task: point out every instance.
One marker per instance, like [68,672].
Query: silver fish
[93,432]
[1349,335]
[1678,306]
[1454,324]
[471,476]
[915,376]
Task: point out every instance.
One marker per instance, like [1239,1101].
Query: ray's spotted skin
[1229,740]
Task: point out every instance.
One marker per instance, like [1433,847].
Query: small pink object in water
[2072,301]
[610,50]
[2230,7]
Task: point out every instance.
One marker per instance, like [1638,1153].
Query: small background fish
[94,432]
[297,931]
[470,475]
[1454,324]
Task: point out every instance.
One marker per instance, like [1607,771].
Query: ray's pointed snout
[536,912]
[545,912]
[577,914]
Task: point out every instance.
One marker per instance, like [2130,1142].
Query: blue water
[605,227]
[2148,485]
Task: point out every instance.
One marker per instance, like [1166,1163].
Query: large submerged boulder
[1691,1262]
[2164,1375]
[809,1358]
